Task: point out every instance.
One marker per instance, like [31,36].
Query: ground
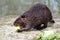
[7,31]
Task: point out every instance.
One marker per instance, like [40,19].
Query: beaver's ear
[23,18]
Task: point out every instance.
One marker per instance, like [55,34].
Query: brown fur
[38,14]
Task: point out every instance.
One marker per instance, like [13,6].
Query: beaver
[37,15]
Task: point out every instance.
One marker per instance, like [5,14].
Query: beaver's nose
[15,24]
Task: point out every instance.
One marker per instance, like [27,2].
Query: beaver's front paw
[19,30]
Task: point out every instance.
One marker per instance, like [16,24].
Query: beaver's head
[20,21]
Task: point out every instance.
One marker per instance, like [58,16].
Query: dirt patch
[7,31]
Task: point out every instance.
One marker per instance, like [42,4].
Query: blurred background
[17,7]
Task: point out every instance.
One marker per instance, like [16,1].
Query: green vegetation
[48,35]
[11,7]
